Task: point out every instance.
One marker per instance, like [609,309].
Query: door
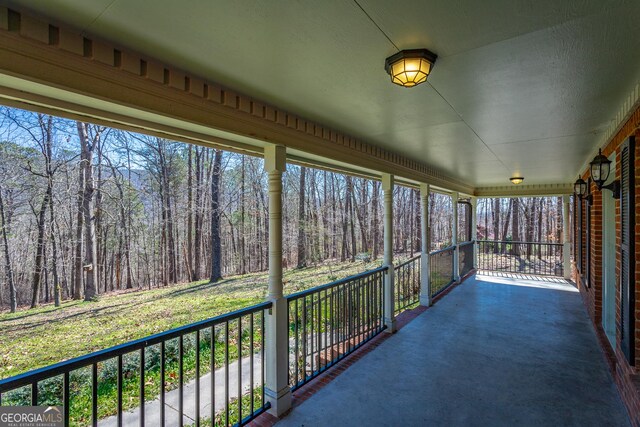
[609,264]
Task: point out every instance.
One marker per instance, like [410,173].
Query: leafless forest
[523,219]
[87,210]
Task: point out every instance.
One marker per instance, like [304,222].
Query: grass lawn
[35,338]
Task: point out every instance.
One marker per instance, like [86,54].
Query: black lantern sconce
[580,187]
[600,170]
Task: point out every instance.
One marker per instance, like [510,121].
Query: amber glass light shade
[516,180]
[409,68]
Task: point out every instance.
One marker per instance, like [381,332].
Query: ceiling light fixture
[516,180]
[410,67]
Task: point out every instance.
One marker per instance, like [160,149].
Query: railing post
[425,288]
[474,230]
[454,238]
[566,245]
[277,390]
[389,291]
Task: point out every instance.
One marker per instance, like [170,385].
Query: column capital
[387,181]
[424,188]
[275,158]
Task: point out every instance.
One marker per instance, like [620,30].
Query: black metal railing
[440,270]
[406,278]
[465,258]
[535,258]
[210,369]
[328,322]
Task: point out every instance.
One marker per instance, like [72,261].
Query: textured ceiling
[519,87]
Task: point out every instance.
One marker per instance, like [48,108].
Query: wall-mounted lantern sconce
[600,170]
[580,187]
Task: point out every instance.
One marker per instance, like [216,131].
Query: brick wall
[627,377]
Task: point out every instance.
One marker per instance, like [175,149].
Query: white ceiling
[519,87]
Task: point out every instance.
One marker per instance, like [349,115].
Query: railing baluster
[350,305]
[120,387]
[326,328]
[239,370]
[181,380]
[304,338]
[366,296]
[94,394]
[357,291]
[226,372]
[66,398]
[319,333]
[34,394]
[163,381]
[212,362]
[142,387]
[197,378]
[296,343]
[251,360]
[312,332]
[333,325]
[262,333]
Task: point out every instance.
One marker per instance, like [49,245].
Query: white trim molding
[525,190]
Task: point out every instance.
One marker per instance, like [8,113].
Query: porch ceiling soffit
[524,190]
[59,70]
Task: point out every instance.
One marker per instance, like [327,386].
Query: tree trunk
[362,221]
[375,226]
[349,212]
[13,302]
[54,255]
[37,269]
[241,231]
[216,244]
[90,250]
[189,254]
[559,219]
[515,226]
[505,225]
[198,216]
[496,223]
[302,262]
[77,270]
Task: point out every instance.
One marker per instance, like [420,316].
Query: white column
[474,230]
[277,390]
[454,239]
[425,291]
[566,245]
[389,291]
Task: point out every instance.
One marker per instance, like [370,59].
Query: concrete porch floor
[496,351]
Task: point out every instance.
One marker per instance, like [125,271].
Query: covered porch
[496,351]
[504,104]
